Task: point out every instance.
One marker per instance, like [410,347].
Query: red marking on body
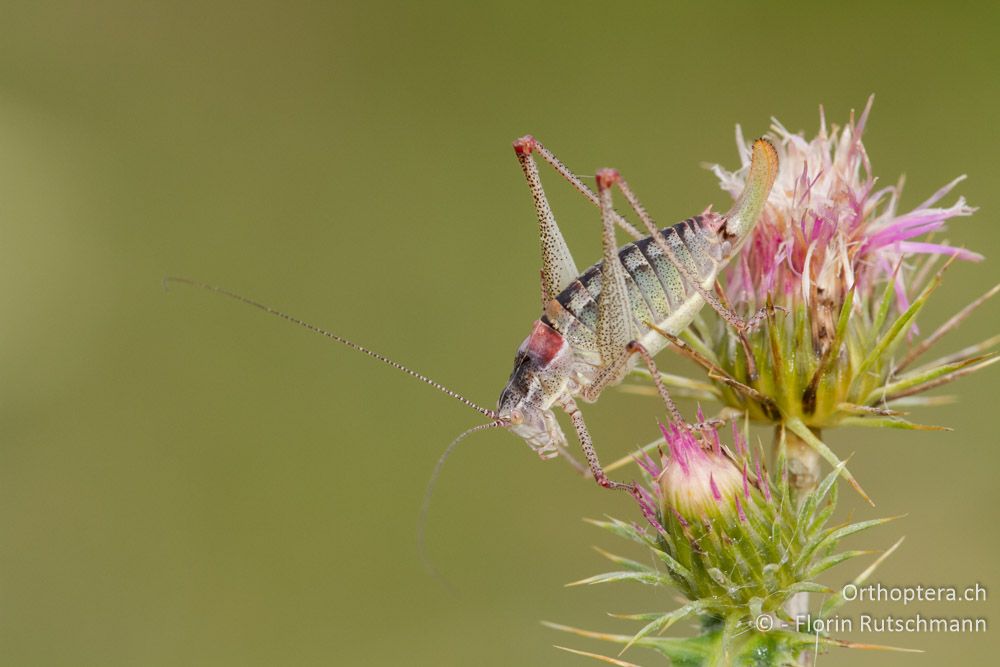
[525,145]
[606,178]
[543,344]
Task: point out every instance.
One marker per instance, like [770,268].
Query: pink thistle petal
[711,435]
[827,198]
[716,443]
[647,464]
[684,449]
[739,509]
[860,128]
[894,233]
[738,441]
[763,483]
[676,452]
[902,301]
[714,487]
[915,247]
[649,513]
[644,494]
[940,194]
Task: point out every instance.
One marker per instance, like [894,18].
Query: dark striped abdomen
[656,287]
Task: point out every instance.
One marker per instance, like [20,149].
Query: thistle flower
[827,228]
[847,274]
[733,541]
[695,483]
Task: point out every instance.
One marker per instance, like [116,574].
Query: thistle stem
[803,464]
[803,477]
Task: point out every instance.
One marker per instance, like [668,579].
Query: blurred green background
[184,481]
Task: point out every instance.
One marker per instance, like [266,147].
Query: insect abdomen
[656,286]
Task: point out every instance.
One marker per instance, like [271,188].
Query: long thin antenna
[492,414]
[425,506]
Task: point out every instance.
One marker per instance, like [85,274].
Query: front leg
[589,452]
[614,331]
[619,367]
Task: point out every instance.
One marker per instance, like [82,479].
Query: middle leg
[690,274]
[718,303]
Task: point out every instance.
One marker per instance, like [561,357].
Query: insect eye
[516,417]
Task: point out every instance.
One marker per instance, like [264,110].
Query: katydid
[597,324]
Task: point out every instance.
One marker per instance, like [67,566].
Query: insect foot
[525,145]
[757,319]
[607,178]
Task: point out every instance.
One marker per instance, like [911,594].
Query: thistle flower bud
[709,509]
[697,483]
